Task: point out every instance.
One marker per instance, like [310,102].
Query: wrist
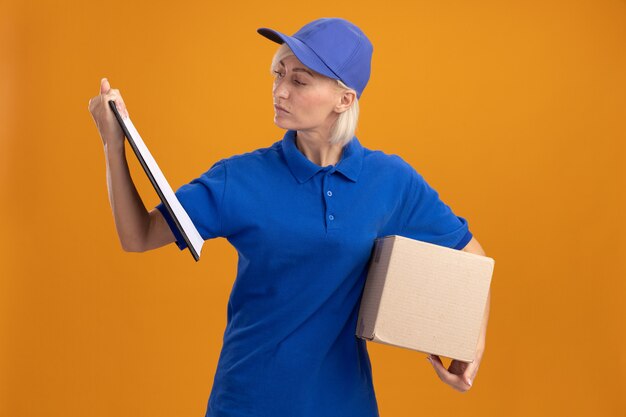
[114,147]
[480,350]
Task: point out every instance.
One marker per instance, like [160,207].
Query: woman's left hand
[459,375]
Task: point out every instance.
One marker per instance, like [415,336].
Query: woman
[303,215]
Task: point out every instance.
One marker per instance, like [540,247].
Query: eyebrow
[299,69]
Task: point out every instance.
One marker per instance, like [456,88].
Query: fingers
[458,382]
[119,103]
[441,370]
[107,93]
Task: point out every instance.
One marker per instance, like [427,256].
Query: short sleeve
[429,219]
[202,200]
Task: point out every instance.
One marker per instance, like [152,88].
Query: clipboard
[181,219]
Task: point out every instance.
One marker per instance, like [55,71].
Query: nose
[279,89]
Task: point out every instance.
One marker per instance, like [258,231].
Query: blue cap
[332,47]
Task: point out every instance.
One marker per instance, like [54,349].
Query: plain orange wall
[514,111]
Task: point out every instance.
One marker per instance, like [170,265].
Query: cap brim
[270,34]
[300,50]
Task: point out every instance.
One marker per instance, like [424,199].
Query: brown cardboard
[425,297]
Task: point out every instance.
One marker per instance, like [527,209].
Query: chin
[284,125]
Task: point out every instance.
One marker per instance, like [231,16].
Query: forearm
[131,217]
[474,247]
[483,329]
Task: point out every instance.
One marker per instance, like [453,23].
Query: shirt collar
[303,169]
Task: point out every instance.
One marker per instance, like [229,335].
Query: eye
[279,74]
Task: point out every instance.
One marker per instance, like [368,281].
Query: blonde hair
[345,125]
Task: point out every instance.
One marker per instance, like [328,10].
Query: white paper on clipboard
[166,194]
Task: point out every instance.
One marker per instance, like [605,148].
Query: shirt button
[329,193]
[331,217]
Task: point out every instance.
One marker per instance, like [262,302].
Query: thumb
[104,86]
[470,373]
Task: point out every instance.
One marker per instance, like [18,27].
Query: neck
[318,149]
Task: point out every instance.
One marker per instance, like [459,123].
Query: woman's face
[309,99]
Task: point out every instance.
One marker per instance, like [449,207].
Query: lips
[277,107]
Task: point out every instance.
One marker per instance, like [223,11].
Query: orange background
[513,111]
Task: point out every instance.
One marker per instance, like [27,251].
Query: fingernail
[469,382]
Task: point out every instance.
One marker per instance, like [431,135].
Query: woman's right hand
[110,130]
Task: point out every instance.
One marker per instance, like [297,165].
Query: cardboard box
[425,297]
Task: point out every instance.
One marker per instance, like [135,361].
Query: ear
[345,100]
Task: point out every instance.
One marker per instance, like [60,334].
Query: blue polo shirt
[304,234]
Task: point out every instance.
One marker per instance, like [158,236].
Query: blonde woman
[303,215]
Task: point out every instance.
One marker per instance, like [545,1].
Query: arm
[460,375]
[137,229]
[474,247]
